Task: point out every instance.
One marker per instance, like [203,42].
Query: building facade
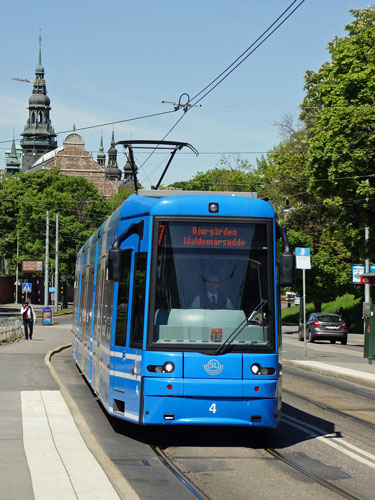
[40,150]
[72,159]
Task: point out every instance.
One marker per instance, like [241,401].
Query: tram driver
[212,297]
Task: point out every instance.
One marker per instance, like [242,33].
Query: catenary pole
[367,264]
[57,263]
[304,313]
[18,245]
[46,263]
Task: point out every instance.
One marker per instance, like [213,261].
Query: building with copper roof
[40,150]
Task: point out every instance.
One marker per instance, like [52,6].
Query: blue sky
[119,59]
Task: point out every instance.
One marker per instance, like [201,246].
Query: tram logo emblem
[213,367]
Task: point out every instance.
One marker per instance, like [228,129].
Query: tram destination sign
[32,266]
[225,236]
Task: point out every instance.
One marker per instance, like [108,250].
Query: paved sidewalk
[42,451]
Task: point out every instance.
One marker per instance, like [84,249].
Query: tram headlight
[256,369]
[168,367]
[213,207]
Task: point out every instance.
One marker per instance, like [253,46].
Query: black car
[324,326]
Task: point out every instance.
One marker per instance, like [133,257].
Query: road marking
[61,466]
[338,443]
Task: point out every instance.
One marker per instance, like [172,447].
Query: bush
[351,305]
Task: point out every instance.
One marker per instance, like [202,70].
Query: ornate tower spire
[12,164]
[101,155]
[112,152]
[112,171]
[38,136]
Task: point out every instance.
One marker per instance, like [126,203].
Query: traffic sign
[26,287]
[32,266]
[303,258]
[358,270]
[365,280]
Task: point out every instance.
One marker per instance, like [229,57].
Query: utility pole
[57,264]
[367,261]
[18,241]
[367,270]
[46,264]
[367,265]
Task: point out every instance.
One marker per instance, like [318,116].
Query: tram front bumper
[205,402]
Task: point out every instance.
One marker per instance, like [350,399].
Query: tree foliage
[24,202]
[329,180]
[225,177]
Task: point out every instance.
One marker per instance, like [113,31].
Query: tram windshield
[211,278]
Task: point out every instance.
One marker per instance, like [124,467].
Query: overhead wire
[103,124]
[235,64]
[245,52]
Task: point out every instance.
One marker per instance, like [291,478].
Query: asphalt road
[232,463]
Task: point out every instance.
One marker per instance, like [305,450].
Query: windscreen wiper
[224,346]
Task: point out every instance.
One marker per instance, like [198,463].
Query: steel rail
[193,488]
[330,409]
[310,474]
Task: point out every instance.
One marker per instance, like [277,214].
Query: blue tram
[152,344]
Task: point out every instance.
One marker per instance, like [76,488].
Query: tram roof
[161,193]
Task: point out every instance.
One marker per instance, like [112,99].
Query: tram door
[133,360]
[122,313]
[98,323]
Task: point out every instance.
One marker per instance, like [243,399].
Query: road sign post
[26,288]
[303,262]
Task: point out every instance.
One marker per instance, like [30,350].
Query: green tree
[24,201]
[339,115]
[226,177]
[324,169]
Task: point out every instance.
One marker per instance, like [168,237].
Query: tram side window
[101,298]
[107,310]
[138,307]
[96,311]
[122,302]
[82,312]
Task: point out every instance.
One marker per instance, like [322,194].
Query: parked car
[324,326]
[290,296]
[297,300]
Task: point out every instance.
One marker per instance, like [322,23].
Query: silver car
[325,326]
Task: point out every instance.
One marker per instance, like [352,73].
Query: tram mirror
[287,267]
[115,264]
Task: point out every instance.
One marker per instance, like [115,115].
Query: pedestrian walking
[29,318]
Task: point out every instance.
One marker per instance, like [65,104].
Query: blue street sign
[26,287]
[303,258]
[357,271]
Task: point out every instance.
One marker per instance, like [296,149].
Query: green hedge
[352,311]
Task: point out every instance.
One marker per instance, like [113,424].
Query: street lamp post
[46,264]
[18,240]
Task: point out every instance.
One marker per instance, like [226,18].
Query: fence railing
[11,329]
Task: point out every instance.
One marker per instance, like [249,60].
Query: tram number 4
[213,408]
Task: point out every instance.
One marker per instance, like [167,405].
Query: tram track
[177,472]
[327,484]
[330,409]
[276,455]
